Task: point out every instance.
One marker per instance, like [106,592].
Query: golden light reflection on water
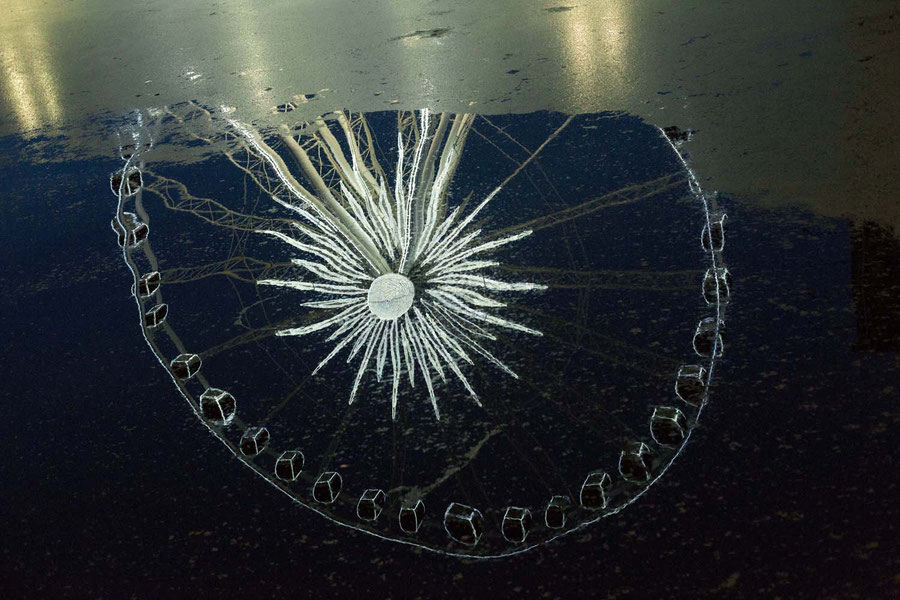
[255,57]
[27,77]
[595,48]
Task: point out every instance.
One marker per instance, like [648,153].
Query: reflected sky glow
[721,71]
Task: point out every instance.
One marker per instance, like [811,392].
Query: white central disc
[390,296]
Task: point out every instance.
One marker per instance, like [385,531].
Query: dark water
[112,488]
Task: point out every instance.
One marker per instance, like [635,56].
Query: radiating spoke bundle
[404,276]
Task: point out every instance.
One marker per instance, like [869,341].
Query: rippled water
[116,482]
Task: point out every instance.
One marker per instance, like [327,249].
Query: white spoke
[430,332]
[396,366]
[481,315]
[423,366]
[408,356]
[338,303]
[365,360]
[324,324]
[487,283]
[313,286]
[382,355]
[471,296]
[340,346]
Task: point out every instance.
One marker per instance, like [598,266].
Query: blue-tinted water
[112,487]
